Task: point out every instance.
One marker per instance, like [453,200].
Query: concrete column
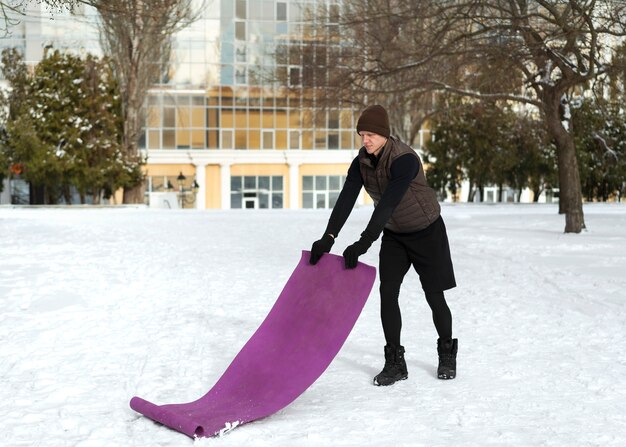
[294,182]
[225,182]
[201,180]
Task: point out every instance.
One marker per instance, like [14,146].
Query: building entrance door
[250,200]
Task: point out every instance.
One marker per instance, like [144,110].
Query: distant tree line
[63,128]
[486,143]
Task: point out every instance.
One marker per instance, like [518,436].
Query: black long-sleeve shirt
[403,171]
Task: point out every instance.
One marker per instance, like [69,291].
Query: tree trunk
[536,194]
[37,194]
[67,195]
[570,192]
[132,126]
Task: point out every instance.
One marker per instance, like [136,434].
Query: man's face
[372,141]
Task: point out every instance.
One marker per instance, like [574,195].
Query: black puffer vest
[419,207]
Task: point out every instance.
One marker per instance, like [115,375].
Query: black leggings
[392,319]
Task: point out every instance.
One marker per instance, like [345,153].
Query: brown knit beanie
[374,119]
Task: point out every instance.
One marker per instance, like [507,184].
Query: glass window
[211,118]
[240,75]
[169,138]
[268,139]
[197,100]
[235,200]
[256,10]
[320,182]
[240,53]
[281,139]
[169,117]
[153,117]
[277,182]
[240,9]
[321,191]
[333,141]
[294,139]
[198,117]
[332,199]
[281,11]
[183,101]
[307,182]
[142,139]
[307,200]
[264,200]
[320,200]
[294,76]
[235,183]
[240,30]
[277,200]
[211,139]
[333,119]
[241,139]
[268,10]
[249,182]
[264,182]
[262,191]
[154,139]
[227,139]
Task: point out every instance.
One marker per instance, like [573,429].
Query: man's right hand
[320,247]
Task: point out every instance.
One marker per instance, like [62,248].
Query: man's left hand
[352,253]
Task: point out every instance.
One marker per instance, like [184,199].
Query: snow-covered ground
[99,305]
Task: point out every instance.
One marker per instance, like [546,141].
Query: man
[408,214]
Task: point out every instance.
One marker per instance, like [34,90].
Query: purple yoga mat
[294,345]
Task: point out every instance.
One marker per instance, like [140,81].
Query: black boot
[395,367]
[446,348]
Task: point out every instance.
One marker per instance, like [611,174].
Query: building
[220,130]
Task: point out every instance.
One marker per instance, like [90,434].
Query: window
[240,9]
[240,53]
[294,139]
[268,139]
[333,119]
[256,192]
[333,140]
[294,76]
[227,139]
[240,75]
[240,30]
[321,191]
[281,11]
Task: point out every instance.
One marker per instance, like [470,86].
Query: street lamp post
[181,180]
[181,190]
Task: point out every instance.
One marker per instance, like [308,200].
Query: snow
[99,305]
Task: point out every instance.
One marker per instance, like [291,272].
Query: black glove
[320,247]
[352,253]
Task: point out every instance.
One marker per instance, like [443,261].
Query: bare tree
[137,36]
[12,11]
[535,52]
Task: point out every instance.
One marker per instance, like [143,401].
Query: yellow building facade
[258,151]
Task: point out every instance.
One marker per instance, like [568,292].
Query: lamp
[181,179]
